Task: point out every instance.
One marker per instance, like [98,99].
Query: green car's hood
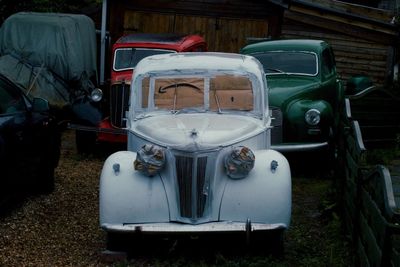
[284,88]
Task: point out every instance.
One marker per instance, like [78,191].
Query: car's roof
[212,61]
[286,45]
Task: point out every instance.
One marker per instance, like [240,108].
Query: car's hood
[197,131]
[282,89]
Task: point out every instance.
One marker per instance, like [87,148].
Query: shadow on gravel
[310,164]
[220,250]
[14,199]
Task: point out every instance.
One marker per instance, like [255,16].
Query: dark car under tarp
[50,55]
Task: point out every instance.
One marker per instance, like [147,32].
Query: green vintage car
[305,92]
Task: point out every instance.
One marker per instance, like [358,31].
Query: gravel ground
[62,229]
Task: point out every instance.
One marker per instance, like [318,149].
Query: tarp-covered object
[35,81]
[64,43]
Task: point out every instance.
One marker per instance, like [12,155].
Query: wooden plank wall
[365,194]
[224,24]
[354,56]
[377,111]
[222,34]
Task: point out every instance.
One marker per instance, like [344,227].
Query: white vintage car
[199,158]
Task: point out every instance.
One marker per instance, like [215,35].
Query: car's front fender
[127,196]
[296,110]
[264,196]
[296,125]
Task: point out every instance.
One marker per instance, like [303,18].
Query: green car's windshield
[127,58]
[288,62]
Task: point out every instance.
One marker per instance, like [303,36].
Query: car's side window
[327,64]
[10,102]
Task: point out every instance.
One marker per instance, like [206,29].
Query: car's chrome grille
[119,103]
[191,176]
[276,123]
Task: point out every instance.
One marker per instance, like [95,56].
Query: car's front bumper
[181,228]
[300,147]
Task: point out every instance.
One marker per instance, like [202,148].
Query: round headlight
[96,95]
[313,117]
[150,159]
[239,162]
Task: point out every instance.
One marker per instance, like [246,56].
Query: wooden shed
[364,39]
[224,24]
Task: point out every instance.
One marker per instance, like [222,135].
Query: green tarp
[50,47]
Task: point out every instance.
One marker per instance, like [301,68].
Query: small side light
[116,168]
[274,166]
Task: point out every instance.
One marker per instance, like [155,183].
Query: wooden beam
[341,27]
[346,20]
[216,8]
[354,9]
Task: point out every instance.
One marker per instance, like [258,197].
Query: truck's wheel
[46,176]
[48,163]
[116,241]
[85,141]
[271,242]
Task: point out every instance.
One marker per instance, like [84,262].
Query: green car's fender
[298,127]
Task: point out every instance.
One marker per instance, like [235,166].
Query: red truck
[126,53]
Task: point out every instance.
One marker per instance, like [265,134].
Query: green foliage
[382,156]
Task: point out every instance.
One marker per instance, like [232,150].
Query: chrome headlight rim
[96,95]
[312,117]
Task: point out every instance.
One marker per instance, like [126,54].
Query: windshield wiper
[176,85]
[131,60]
[217,101]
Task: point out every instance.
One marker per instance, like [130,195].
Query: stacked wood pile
[364,39]
[369,194]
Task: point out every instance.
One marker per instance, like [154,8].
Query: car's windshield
[127,58]
[219,93]
[288,62]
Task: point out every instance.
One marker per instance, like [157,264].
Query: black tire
[116,241]
[85,142]
[48,163]
[278,248]
[271,242]
[46,184]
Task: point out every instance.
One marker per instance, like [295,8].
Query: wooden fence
[369,194]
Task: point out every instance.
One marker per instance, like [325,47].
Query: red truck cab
[126,53]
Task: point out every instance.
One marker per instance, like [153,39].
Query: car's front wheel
[85,141]
[48,163]
[271,242]
[117,241]
[47,183]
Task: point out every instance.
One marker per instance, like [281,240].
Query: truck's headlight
[150,159]
[312,117]
[239,162]
[96,95]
